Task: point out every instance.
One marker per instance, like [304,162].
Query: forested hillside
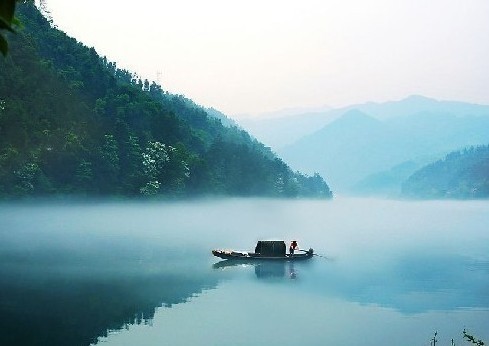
[462,174]
[71,122]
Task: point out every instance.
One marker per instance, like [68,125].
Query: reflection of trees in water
[39,308]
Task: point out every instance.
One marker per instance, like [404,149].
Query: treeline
[71,122]
[461,174]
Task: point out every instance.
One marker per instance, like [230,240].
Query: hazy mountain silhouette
[419,104]
[386,183]
[283,128]
[359,144]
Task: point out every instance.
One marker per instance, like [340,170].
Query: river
[141,273]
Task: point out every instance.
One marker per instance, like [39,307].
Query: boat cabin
[264,250]
[273,248]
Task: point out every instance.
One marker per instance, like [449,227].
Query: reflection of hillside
[54,305]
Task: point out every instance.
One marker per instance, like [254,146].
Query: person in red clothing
[293,246]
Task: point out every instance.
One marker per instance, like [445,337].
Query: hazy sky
[256,56]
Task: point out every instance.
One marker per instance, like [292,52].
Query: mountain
[386,183]
[358,145]
[71,122]
[325,150]
[461,174]
[279,131]
[284,128]
[223,118]
[420,104]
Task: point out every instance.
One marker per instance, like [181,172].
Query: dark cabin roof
[270,247]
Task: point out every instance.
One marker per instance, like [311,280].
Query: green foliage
[466,336]
[462,174]
[165,167]
[73,123]
[7,21]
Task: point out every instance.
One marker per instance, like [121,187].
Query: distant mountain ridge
[277,132]
[281,131]
[359,144]
[420,104]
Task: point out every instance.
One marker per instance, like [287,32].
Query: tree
[131,166]
[7,22]
[472,339]
[165,167]
[109,164]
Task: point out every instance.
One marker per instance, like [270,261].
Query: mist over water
[394,270]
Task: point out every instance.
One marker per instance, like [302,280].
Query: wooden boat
[269,250]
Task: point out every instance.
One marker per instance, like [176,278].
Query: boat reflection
[263,269]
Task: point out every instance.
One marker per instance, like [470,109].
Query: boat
[269,250]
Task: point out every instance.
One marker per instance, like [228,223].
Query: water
[115,273]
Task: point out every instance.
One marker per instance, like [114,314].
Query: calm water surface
[114,273]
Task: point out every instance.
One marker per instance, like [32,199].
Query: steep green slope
[73,123]
[462,174]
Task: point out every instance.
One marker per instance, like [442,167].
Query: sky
[256,56]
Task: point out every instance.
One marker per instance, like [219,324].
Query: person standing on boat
[293,246]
